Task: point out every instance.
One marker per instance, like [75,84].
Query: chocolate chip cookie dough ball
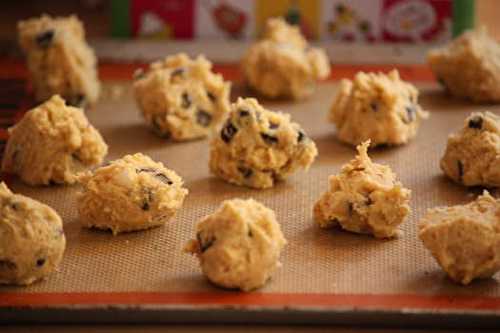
[377,107]
[181,97]
[469,66]
[239,245]
[465,239]
[472,155]
[132,193]
[282,64]
[257,147]
[364,198]
[32,240]
[59,59]
[53,143]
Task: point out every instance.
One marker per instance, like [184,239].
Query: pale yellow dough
[52,143]
[377,107]
[472,155]
[32,240]
[469,66]
[282,64]
[59,59]
[181,97]
[257,147]
[364,198]
[239,245]
[131,193]
[465,239]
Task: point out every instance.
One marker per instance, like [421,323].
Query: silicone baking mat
[327,275]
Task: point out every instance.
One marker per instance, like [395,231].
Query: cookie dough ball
[32,240]
[377,107]
[364,198]
[132,193]
[464,239]
[59,59]
[469,66]
[239,245]
[52,143]
[472,155]
[257,147]
[282,64]
[181,97]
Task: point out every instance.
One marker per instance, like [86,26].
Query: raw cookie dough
[469,66]
[282,64]
[472,155]
[32,240]
[181,97]
[364,198]
[132,193]
[52,143]
[377,107]
[239,245]
[465,239]
[59,59]
[257,147]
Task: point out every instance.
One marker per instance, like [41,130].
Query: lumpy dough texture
[377,107]
[59,59]
[131,193]
[257,147]
[32,240]
[469,66]
[472,155]
[181,97]
[239,245]
[364,198]
[465,240]
[52,144]
[282,64]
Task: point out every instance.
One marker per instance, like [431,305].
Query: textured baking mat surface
[315,261]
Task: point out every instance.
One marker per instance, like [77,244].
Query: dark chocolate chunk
[300,136]
[350,208]
[147,199]
[228,131]
[374,106]
[411,113]
[157,174]
[76,101]
[177,72]
[204,245]
[7,265]
[250,234]
[44,39]
[244,113]
[212,97]
[460,168]
[76,157]
[246,172]
[273,125]
[186,100]
[40,262]
[145,205]
[164,133]
[203,118]
[476,122]
[269,139]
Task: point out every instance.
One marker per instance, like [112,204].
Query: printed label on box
[232,19]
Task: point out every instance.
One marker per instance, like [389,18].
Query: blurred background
[400,30]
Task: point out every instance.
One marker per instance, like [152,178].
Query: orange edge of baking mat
[331,301]
[10,68]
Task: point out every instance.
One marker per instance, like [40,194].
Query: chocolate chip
[186,100]
[300,136]
[204,245]
[148,198]
[250,234]
[368,201]
[203,118]
[76,101]
[460,168]
[269,139]
[40,262]
[374,106]
[7,265]
[411,113]
[14,206]
[246,172]
[76,157]
[244,113]
[273,125]
[145,206]
[227,133]
[212,97]
[177,72]
[476,122]
[164,133]
[350,208]
[44,39]
[157,174]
